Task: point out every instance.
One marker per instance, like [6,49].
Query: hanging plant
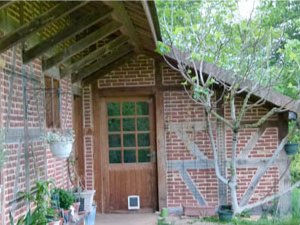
[60,142]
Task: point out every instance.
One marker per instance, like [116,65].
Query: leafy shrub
[66,198]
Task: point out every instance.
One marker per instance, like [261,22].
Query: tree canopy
[265,46]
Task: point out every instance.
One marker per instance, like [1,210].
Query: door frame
[157,93]
[105,150]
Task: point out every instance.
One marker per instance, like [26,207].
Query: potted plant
[65,200]
[43,214]
[225,213]
[60,142]
[292,147]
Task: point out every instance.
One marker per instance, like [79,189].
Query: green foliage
[41,197]
[162,48]
[66,198]
[264,49]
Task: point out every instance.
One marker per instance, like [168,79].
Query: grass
[294,219]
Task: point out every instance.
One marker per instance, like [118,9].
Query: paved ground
[126,219]
[141,219]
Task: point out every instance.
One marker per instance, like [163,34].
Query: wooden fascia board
[75,28]
[73,68]
[23,32]
[101,62]
[120,14]
[107,69]
[82,44]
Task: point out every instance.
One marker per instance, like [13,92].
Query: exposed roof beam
[121,15]
[107,69]
[93,55]
[21,33]
[101,62]
[4,4]
[81,24]
[80,45]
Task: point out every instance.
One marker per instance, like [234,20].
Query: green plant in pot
[225,213]
[66,198]
[292,147]
[43,213]
[60,142]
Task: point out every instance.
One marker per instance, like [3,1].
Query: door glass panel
[128,124]
[114,124]
[143,140]
[113,109]
[129,131]
[142,108]
[115,156]
[143,124]
[144,155]
[114,140]
[128,108]
[129,156]
[129,140]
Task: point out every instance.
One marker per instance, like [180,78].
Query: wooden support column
[160,138]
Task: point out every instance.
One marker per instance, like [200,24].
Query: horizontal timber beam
[101,62]
[98,74]
[21,33]
[121,15]
[80,45]
[75,67]
[81,24]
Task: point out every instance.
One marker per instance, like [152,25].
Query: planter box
[199,211]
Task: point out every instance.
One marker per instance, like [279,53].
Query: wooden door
[130,153]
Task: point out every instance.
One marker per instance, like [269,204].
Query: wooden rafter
[4,4]
[121,15]
[21,33]
[85,42]
[101,62]
[93,55]
[107,69]
[81,24]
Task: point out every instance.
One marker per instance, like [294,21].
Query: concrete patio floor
[143,219]
[126,219]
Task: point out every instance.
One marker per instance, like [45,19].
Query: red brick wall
[41,163]
[138,72]
[184,121]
